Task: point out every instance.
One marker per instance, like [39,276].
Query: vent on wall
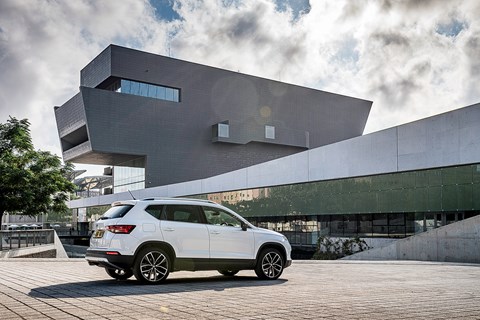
[74,138]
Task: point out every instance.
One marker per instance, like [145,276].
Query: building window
[146,90]
[128,178]
[270,132]
[223,130]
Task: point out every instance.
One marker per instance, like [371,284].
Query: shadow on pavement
[109,288]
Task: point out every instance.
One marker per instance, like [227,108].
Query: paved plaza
[70,289]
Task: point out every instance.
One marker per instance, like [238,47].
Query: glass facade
[128,178]
[146,90]
[390,205]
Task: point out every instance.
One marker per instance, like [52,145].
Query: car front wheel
[269,265]
[151,266]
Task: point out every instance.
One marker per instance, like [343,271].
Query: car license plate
[99,233]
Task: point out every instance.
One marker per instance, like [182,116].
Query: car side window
[182,213]
[155,210]
[220,217]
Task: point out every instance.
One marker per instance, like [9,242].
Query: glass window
[220,218]
[126,86]
[152,91]
[128,178]
[161,93]
[365,225]
[380,219]
[169,94]
[336,225]
[134,88]
[270,132]
[144,89]
[155,210]
[350,225]
[223,130]
[396,219]
[182,213]
[116,212]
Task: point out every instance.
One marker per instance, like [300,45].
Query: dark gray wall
[176,138]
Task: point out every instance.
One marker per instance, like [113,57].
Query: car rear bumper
[109,259]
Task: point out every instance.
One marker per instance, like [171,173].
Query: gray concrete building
[182,121]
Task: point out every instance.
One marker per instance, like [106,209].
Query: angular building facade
[181,121]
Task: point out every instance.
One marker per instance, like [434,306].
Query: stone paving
[70,289]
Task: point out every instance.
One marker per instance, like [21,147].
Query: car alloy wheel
[270,264]
[152,266]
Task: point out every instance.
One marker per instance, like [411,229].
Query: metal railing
[15,239]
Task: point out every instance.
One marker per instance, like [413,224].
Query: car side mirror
[244,226]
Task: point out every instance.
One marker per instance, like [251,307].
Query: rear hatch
[101,238]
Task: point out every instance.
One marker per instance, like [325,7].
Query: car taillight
[120,228]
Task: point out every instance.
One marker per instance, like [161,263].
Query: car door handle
[168,229]
[215,232]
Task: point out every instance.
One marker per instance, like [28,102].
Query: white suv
[150,238]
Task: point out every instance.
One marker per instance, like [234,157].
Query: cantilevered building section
[172,121]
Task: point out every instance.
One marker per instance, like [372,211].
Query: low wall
[457,242]
[52,250]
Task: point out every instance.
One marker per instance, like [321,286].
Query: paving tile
[70,289]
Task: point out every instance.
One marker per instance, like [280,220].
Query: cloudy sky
[412,58]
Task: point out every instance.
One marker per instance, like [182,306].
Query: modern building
[388,184]
[159,120]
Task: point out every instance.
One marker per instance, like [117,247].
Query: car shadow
[110,288]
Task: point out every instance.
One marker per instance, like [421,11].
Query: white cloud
[387,51]
[45,44]
[412,58]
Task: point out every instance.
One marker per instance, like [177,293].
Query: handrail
[15,239]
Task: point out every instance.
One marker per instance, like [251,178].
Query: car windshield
[116,212]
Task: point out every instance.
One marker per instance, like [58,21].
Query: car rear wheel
[228,273]
[119,274]
[151,266]
[270,264]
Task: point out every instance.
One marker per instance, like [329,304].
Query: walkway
[70,289]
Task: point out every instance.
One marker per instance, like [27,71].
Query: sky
[412,58]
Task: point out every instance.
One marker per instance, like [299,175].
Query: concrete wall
[457,242]
[53,250]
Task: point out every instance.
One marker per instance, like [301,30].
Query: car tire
[228,273]
[269,264]
[151,266]
[119,274]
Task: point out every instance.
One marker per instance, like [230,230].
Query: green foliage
[328,249]
[31,182]
[96,212]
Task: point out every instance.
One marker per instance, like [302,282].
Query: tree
[31,182]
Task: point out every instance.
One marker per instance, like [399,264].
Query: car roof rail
[182,199]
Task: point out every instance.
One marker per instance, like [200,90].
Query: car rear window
[155,210]
[116,212]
